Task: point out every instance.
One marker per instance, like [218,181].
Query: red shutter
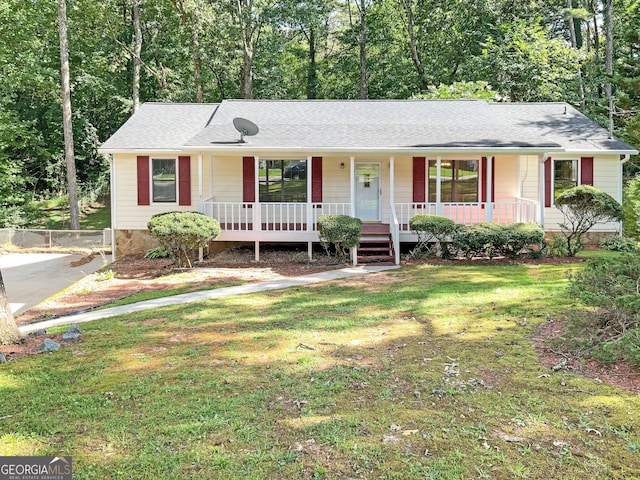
[419,175]
[493,179]
[184,178]
[143,181]
[483,178]
[547,182]
[316,179]
[484,168]
[248,179]
[586,171]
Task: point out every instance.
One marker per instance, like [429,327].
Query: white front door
[368,191]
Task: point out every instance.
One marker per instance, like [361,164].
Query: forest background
[123,52]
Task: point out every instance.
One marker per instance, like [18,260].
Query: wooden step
[374,229]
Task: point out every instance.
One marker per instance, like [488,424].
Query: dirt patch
[620,374]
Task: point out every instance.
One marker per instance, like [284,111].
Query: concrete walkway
[204,295]
[31,278]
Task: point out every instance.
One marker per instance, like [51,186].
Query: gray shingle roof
[161,126]
[369,124]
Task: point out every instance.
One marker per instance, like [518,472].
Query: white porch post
[488,211]
[257,210]
[200,186]
[211,177]
[352,181]
[309,194]
[310,209]
[439,207]
[391,180]
[541,188]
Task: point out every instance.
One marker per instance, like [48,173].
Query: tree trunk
[364,87]
[9,332]
[413,45]
[189,24]
[69,156]
[608,64]
[137,50]
[312,72]
[248,27]
[575,34]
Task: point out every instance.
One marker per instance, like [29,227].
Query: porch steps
[375,244]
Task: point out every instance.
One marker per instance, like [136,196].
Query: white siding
[130,215]
[605,178]
[403,189]
[528,171]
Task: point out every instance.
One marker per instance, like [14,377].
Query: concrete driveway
[31,278]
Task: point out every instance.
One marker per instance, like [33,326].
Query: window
[163,176]
[283,180]
[459,181]
[565,176]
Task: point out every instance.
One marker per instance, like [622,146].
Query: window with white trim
[459,181]
[565,176]
[164,180]
[283,180]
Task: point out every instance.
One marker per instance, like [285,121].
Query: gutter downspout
[112,180]
[623,159]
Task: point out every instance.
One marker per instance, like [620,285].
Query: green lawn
[425,372]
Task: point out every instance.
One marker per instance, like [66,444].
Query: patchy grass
[54,215]
[424,372]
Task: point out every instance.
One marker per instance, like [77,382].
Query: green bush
[433,228]
[521,236]
[558,247]
[583,207]
[618,243]
[611,285]
[340,233]
[158,252]
[486,239]
[631,205]
[183,232]
[490,239]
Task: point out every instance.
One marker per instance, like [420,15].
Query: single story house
[268,169]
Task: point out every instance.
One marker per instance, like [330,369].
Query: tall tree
[137,50]
[608,28]
[190,25]
[9,332]
[72,188]
[362,45]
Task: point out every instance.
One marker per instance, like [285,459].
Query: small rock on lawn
[48,346]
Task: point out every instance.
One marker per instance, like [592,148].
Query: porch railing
[255,216]
[267,216]
[517,210]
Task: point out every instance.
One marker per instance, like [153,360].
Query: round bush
[183,232]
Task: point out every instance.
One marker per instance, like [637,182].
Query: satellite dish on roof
[245,127]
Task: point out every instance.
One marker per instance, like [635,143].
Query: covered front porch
[378,190]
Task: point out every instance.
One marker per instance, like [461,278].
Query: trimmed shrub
[340,232]
[486,239]
[433,228]
[490,239]
[522,236]
[183,232]
[583,207]
[618,243]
